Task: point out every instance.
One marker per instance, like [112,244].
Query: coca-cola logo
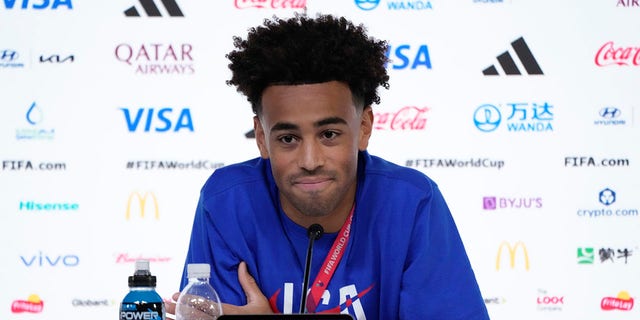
[407,118]
[273,4]
[609,55]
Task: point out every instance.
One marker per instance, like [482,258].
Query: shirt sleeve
[208,246]
[438,282]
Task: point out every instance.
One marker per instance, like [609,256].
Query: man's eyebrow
[282,126]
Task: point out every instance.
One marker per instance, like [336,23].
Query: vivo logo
[161,121]
[44,260]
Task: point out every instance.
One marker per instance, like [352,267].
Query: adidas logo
[509,66]
[152,10]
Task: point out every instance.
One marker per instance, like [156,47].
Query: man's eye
[329,134]
[287,139]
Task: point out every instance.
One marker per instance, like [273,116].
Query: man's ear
[366,126]
[260,138]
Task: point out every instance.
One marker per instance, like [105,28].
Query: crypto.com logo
[142,204]
[607,197]
[512,250]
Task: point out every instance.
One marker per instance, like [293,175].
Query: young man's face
[312,134]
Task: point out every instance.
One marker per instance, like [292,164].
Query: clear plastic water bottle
[198,300]
[142,301]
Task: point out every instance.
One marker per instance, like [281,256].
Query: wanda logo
[609,55]
[273,4]
[407,118]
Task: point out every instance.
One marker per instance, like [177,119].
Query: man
[390,250]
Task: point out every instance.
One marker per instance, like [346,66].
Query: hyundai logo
[610,112]
[8,55]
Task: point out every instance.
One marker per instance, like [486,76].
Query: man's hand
[257,303]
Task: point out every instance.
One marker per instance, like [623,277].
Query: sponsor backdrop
[526,113]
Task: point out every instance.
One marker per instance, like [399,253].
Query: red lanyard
[330,265]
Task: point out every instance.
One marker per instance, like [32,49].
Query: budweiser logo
[622,302]
[274,4]
[609,55]
[407,118]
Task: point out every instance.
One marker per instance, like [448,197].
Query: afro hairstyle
[303,50]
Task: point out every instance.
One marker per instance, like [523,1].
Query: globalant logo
[606,255]
[161,120]
[608,197]
[140,206]
[610,54]
[33,304]
[270,4]
[508,64]
[157,58]
[522,117]
[10,58]
[406,56]
[368,5]
[610,116]
[92,302]
[622,302]
[494,300]
[152,10]
[497,203]
[34,118]
[405,118]
[512,251]
[38,4]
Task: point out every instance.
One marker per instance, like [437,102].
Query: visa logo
[39,5]
[161,121]
[404,56]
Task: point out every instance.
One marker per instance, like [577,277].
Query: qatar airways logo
[610,54]
[157,58]
[405,118]
[270,4]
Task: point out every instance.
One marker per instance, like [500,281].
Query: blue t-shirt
[404,259]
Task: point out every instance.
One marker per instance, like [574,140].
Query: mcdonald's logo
[142,204]
[513,250]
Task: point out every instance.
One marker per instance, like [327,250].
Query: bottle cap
[142,275]
[198,270]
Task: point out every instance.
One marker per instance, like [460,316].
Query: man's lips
[312,184]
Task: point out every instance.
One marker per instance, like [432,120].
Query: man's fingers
[248,283]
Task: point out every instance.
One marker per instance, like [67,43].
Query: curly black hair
[303,50]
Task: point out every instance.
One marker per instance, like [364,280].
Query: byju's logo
[39,4]
[523,117]
[164,120]
[405,56]
[495,203]
[152,10]
[35,131]
[607,197]
[10,59]
[157,58]
[508,64]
